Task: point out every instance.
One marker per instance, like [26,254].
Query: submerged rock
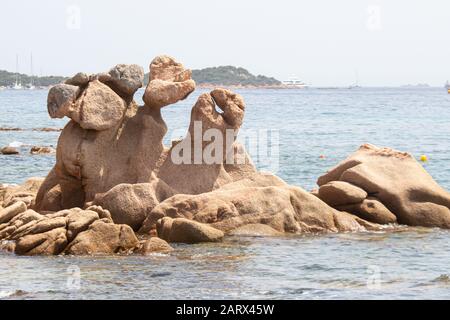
[42,150]
[10,129]
[9,151]
[47,129]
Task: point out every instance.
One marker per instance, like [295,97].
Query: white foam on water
[6,185]
[16,144]
[6,294]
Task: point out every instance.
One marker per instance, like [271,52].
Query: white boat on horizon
[17,85]
[294,82]
[356,84]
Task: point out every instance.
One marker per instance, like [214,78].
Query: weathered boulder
[9,151]
[51,242]
[370,209]
[42,150]
[99,107]
[11,211]
[61,99]
[126,78]
[187,231]
[285,209]
[19,225]
[130,203]
[398,181]
[103,238]
[78,221]
[154,245]
[74,231]
[337,193]
[169,83]
[81,79]
[25,192]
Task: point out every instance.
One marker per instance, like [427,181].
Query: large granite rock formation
[397,188]
[115,185]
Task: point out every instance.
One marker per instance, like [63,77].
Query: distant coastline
[7,79]
[225,76]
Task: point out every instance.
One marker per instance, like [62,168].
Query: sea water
[309,132]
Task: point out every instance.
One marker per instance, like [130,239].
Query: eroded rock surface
[72,231]
[285,209]
[398,182]
[113,177]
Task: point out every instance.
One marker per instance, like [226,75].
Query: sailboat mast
[17,69]
[31,63]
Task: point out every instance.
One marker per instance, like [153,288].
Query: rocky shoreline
[115,188]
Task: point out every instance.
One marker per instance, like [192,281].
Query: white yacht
[294,82]
[17,86]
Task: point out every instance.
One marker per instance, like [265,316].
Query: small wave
[16,144]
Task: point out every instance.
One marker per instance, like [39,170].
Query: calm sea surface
[308,131]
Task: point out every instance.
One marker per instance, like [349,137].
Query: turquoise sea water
[412,263]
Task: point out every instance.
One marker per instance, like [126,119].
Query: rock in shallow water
[398,181]
[154,245]
[187,231]
[42,150]
[284,209]
[372,210]
[103,238]
[111,155]
[9,151]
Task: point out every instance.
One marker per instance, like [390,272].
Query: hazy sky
[323,42]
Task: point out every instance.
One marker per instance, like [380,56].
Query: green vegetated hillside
[223,75]
[9,78]
[229,76]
